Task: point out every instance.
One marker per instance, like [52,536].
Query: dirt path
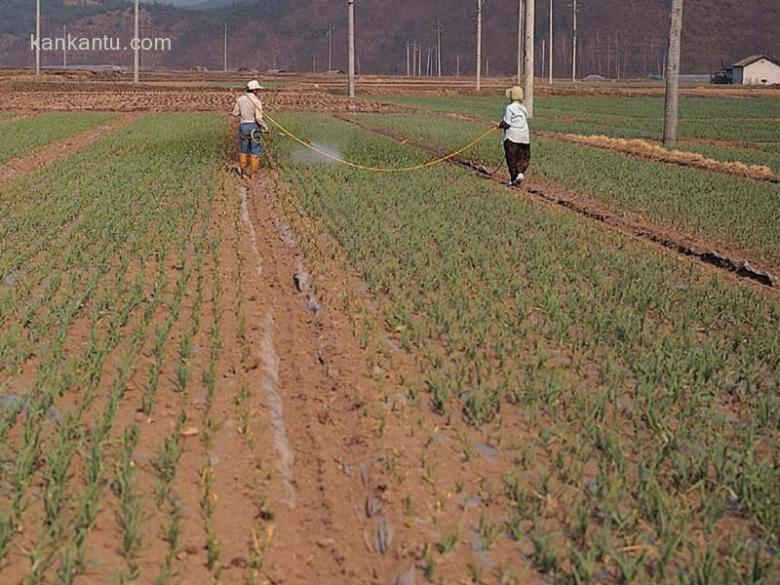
[365,483]
[314,406]
[60,149]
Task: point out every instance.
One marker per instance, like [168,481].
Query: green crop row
[755,121]
[111,216]
[646,388]
[747,120]
[31,134]
[711,206]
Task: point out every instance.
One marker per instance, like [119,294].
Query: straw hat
[515,93]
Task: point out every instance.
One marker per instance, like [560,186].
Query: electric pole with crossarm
[480,4]
[520,35]
[671,107]
[438,29]
[575,8]
[351,17]
[136,48]
[530,40]
[37,37]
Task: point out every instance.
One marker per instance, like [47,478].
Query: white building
[755,70]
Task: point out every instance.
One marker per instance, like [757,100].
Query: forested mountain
[617,37]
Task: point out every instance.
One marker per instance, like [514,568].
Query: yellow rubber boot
[243,162]
[255,164]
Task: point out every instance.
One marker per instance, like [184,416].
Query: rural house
[755,70]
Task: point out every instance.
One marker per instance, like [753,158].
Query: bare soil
[186,91]
[57,95]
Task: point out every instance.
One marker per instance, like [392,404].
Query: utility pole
[575,8]
[37,37]
[552,28]
[480,4]
[457,66]
[520,34]
[408,62]
[438,29]
[224,52]
[136,46]
[530,38]
[330,48]
[671,108]
[351,17]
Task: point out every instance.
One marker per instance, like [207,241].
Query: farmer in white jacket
[517,136]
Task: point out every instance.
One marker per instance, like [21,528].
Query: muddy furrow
[338,512]
[412,483]
[677,243]
[306,545]
[60,149]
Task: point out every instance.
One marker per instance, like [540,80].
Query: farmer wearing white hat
[250,110]
[517,136]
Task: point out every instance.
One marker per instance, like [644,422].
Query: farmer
[517,136]
[249,108]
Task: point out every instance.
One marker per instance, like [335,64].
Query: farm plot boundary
[675,243]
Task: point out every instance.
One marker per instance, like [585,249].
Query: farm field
[753,122]
[731,211]
[326,374]
[26,135]
[569,340]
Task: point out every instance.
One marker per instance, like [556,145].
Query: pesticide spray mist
[304,155]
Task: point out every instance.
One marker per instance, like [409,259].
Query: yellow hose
[418,167]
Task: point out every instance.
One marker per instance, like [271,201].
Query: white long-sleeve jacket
[516,117]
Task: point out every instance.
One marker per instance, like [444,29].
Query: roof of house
[752,59]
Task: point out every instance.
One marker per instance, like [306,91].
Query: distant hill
[623,38]
[198,4]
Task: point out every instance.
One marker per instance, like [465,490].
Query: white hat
[253,85]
